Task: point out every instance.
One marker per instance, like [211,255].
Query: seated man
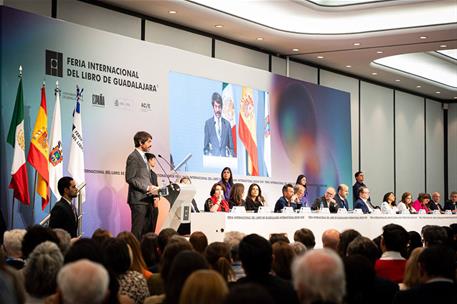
[435,202]
[341,196]
[299,193]
[326,201]
[362,201]
[451,204]
[287,198]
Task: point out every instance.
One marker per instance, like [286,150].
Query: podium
[180,198]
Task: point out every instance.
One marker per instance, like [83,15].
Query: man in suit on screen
[218,132]
[63,214]
[141,189]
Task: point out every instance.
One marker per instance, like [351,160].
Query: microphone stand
[171,167]
[163,170]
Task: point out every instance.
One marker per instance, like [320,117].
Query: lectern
[180,198]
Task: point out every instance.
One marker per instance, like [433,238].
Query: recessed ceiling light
[349,66]
[356,43]
[374,73]
[443,46]
[218,26]
[259,38]
[379,52]
[295,50]
[438,92]
[320,57]
[423,37]
[455,97]
[172,12]
[397,80]
[418,86]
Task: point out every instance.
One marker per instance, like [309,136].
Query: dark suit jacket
[361,205]
[341,203]
[62,216]
[317,203]
[436,292]
[433,206]
[280,290]
[282,202]
[211,145]
[450,206]
[138,176]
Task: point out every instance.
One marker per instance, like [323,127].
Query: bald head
[331,239]
[343,190]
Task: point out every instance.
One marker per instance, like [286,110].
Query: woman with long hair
[217,202]
[236,195]
[404,206]
[304,201]
[422,202]
[254,198]
[227,181]
[138,263]
[388,205]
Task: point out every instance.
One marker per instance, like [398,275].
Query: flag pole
[34,194]
[12,214]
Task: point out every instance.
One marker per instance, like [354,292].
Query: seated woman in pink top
[422,202]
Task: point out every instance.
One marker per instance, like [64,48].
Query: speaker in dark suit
[63,214]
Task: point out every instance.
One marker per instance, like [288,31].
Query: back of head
[278,237]
[415,241]
[84,249]
[346,237]
[233,239]
[318,276]
[12,242]
[83,282]
[365,247]
[331,239]
[36,235]
[298,248]
[116,255]
[218,256]
[204,287]
[395,238]
[184,264]
[174,246]
[64,239]
[138,263]
[100,235]
[412,275]
[306,237]
[199,241]
[255,255]
[437,262]
[164,236]
[248,293]
[360,277]
[283,255]
[150,249]
[41,270]
[434,236]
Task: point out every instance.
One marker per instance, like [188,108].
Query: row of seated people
[333,199]
[42,265]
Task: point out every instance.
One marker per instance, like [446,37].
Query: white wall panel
[278,65]
[177,38]
[99,18]
[302,72]
[39,7]
[409,144]
[435,147]
[377,139]
[452,147]
[351,85]
[241,55]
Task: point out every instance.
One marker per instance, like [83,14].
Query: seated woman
[236,195]
[404,206]
[217,202]
[422,202]
[388,204]
[227,181]
[254,199]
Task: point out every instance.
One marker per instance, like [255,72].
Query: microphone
[188,156]
[168,163]
[163,170]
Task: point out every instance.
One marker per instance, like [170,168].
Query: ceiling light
[397,80]
[423,37]
[259,38]
[348,66]
[295,50]
[374,73]
[418,86]
[455,97]
[219,26]
[443,46]
[356,43]
[438,92]
[172,12]
[379,52]
[320,57]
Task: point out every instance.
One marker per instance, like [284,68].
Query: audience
[346,237]
[218,256]
[199,241]
[249,293]
[412,276]
[306,237]
[12,244]
[415,241]
[233,239]
[278,237]
[331,239]
[204,287]
[433,235]
[319,277]
[298,248]
[36,235]
[283,255]
[150,251]
[64,239]
[138,263]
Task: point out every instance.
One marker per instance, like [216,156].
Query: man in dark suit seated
[435,202]
[341,196]
[287,198]
[326,201]
[437,272]
[63,214]
[218,139]
[451,204]
[362,201]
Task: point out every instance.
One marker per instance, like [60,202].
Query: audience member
[326,201]
[278,237]
[437,270]
[451,204]
[249,293]
[434,235]
[101,235]
[218,256]
[83,282]
[341,196]
[138,263]
[236,195]
[150,251]
[319,277]
[84,249]
[298,248]
[199,241]
[175,245]
[365,247]
[360,280]
[40,272]
[306,237]
[12,244]
[415,241]
[287,199]
[227,181]
[233,239]
[217,202]
[304,200]
[254,199]
[164,236]
[391,264]
[388,205]
[36,235]
[422,202]
[331,239]
[412,278]
[204,287]
[346,237]
[283,255]
[256,258]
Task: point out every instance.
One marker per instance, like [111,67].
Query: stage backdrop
[279,127]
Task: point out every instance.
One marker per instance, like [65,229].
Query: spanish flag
[247,130]
[39,150]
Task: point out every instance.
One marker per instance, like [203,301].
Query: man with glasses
[326,201]
[362,201]
[451,204]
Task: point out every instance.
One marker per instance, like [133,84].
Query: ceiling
[345,38]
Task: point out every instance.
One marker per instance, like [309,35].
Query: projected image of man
[218,133]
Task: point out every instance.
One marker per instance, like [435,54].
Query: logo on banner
[123,104]
[55,156]
[145,106]
[54,63]
[98,100]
